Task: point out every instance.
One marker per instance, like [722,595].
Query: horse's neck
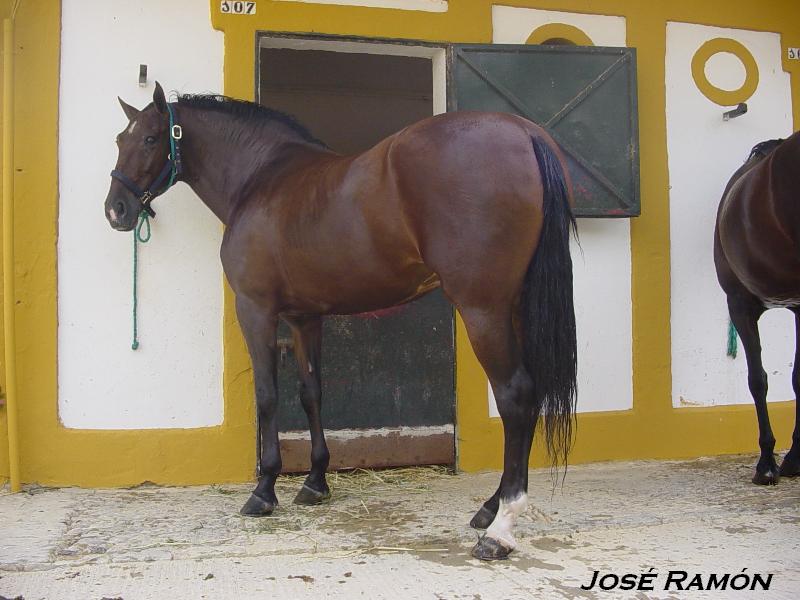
[221,158]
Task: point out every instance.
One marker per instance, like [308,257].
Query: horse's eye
[149,140]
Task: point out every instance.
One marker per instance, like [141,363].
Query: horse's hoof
[771,477]
[789,468]
[257,507]
[490,549]
[310,496]
[482,519]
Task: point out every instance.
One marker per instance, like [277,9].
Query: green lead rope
[732,342]
[144,220]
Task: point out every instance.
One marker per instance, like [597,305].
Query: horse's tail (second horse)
[548,313]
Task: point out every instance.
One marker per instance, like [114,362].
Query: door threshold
[373,448]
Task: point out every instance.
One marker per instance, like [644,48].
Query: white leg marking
[502,527]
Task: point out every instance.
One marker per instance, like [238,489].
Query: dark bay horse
[757,256]
[475,203]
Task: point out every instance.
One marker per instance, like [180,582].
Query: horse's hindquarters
[469,188]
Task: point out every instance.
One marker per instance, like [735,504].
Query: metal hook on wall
[736,112]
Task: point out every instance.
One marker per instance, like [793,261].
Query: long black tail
[548,313]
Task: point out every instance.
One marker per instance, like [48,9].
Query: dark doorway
[388,377]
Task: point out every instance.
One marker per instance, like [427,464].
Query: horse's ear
[159,100]
[130,112]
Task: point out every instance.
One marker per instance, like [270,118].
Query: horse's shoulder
[751,172]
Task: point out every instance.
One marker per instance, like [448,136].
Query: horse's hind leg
[260,328]
[492,336]
[307,333]
[790,467]
[745,313]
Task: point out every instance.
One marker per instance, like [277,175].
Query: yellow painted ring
[712,92]
[551,31]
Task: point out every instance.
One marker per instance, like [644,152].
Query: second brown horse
[475,203]
[757,257]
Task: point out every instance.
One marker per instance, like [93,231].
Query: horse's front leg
[259,326]
[790,467]
[307,333]
[745,314]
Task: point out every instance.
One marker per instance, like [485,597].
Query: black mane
[247,111]
[762,149]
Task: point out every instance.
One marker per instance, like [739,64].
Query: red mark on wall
[384,312]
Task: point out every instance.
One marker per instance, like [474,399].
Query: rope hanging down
[732,341]
[144,220]
[173,165]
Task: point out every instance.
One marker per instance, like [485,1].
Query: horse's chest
[776,289]
[764,258]
[790,302]
[250,264]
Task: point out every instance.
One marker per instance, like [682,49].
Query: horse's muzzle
[119,215]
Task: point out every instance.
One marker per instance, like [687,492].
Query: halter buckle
[177,132]
[146,199]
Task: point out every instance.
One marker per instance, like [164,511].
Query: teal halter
[172,169]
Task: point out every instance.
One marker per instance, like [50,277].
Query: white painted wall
[514,25]
[602,264]
[704,152]
[175,378]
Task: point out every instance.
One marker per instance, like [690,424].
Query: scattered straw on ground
[361,482]
[357,496]
[365,483]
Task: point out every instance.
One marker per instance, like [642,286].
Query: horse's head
[144,149]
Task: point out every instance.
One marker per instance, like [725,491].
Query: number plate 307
[237,7]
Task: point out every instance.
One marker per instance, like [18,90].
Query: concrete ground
[404,534]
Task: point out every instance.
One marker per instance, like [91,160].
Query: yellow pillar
[8,252]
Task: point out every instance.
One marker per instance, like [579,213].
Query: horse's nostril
[120,209]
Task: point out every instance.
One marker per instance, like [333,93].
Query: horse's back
[490,150]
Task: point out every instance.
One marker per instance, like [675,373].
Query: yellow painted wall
[5,10]
[54,455]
